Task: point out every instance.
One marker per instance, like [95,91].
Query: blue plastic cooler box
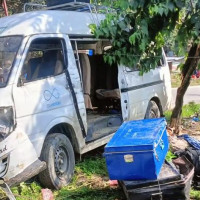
[137,150]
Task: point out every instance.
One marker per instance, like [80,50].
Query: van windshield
[8,50]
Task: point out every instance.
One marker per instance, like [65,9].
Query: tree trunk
[188,69]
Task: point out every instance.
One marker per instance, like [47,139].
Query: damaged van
[59,97]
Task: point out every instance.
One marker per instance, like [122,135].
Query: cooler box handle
[162,145]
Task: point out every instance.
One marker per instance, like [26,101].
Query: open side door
[124,94]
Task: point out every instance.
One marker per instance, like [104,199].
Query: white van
[58,97]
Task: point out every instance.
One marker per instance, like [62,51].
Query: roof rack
[94,9]
[33,6]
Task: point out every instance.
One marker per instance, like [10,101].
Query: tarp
[192,141]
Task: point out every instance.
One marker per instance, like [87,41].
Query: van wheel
[58,154]
[152,110]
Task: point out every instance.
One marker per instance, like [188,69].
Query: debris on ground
[195,143]
[177,143]
[113,183]
[190,126]
[47,194]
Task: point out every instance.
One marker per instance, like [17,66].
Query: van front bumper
[31,171]
[18,159]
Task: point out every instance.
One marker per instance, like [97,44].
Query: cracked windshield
[8,50]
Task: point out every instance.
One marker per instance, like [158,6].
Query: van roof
[48,21]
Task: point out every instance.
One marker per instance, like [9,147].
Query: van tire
[153,110]
[59,156]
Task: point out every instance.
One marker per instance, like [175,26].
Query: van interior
[100,87]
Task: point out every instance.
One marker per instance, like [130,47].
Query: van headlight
[6,122]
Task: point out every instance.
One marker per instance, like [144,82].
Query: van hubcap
[61,161]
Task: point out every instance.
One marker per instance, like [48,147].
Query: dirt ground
[190,127]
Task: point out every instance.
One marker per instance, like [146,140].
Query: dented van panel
[60,83]
[13,158]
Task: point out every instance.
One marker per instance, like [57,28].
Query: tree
[16,6]
[138,30]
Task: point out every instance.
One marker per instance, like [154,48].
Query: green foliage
[2,195]
[91,166]
[187,111]
[195,194]
[170,156]
[16,6]
[168,114]
[30,191]
[138,30]
[190,109]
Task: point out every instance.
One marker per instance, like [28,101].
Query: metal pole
[4,4]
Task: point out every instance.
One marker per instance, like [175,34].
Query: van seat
[32,66]
[50,65]
[108,94]
[86,74]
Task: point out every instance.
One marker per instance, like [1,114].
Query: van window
[44,59]
[8,50]
[160,63]
[131,69]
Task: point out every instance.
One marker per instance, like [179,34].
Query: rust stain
[20,166]
[19,135]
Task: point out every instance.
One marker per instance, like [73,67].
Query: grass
[190,109]
[176,80]
[29,191]
[86,193]
[90,182]
[187,111]
[168,114]
[2,195]
[170,156]
[195,194]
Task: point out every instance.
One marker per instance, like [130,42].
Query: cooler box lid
[139,135]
